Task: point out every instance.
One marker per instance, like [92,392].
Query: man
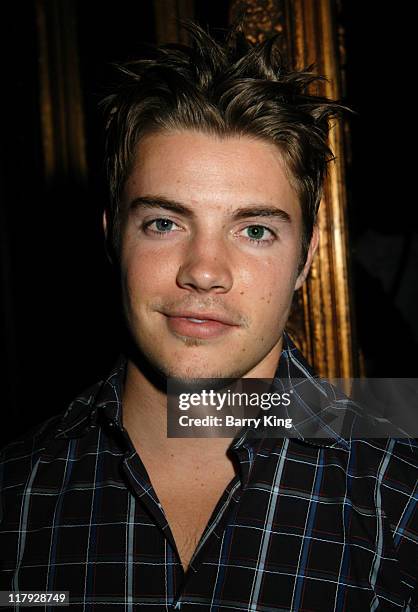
[215,159]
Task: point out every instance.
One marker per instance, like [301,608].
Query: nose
[206,266]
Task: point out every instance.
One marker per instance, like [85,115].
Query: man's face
[211,243]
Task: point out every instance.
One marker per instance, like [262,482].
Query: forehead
[198,168]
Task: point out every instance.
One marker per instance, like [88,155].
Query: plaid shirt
[313,525]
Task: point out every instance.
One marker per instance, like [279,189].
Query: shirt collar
[103,402]
[316,424]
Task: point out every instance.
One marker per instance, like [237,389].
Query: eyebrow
[256,210]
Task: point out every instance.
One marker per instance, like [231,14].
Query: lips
[199,315]
[202,325]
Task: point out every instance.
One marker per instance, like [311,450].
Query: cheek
[269,283]
[266,296]
[145,273]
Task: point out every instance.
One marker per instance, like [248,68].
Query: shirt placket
[223,512]
[140,483]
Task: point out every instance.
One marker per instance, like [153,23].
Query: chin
[193,373]
[180,384]
[194,359]
[190,371]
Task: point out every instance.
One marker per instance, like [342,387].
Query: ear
[311,252]
[104,221]
[107,245]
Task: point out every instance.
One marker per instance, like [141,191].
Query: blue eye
[163,225]
[160,226]
[255,232]
[259,235]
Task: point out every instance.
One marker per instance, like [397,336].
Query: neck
[145,416]
[145,419]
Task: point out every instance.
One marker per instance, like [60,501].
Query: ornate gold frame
[321,320]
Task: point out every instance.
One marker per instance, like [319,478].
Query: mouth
[199,325]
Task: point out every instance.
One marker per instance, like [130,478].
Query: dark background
[60,322]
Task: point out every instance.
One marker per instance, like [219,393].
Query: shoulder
[383,455]
[391,468]
[390,463]
[19,458]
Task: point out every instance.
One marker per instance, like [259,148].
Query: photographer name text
[232,421]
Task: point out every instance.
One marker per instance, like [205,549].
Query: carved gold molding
[262,18]
[321,320]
